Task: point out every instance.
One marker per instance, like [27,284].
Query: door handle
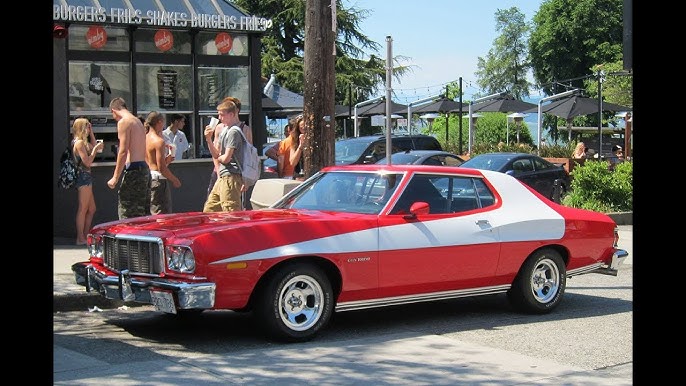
[482,222]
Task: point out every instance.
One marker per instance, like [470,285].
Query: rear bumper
[124,287]
[617,259]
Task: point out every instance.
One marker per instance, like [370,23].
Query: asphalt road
[587,340]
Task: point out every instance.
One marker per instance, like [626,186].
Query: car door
[439,251]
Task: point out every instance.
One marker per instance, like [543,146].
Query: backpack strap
[246,142]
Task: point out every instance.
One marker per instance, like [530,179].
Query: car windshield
[349,151]
[353,192]
[485,163]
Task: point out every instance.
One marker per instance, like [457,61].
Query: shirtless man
[134,192]
[157,157]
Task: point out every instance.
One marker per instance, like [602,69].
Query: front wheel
[296,304]
[540,283]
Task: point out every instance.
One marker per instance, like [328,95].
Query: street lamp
[472,127]
[518,118]
[430,118]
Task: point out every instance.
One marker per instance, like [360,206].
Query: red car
[355,237]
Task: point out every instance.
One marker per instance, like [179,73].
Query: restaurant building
[172,56]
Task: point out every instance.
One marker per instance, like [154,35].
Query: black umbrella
[575,105]
[442,105]
[503,105]
[268,104]
[379,108]
[341,111]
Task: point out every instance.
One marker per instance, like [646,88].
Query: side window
[375,152]
[522,165]
[462,195]
[403,144]
[424,188]
[484,194]
[428,144]
[540,164]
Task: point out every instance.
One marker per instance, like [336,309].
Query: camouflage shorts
[134,193]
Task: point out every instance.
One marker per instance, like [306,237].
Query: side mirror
[510,173]
[419,207]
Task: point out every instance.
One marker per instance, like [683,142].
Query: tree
[506,65]
[570,37]
[283,49]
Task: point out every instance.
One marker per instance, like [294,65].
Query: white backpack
[250,164]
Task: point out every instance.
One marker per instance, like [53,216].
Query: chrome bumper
[617,259]
[124,287]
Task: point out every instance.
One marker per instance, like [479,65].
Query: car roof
[371,138]
[402,168]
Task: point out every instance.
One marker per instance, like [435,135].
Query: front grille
[138,254]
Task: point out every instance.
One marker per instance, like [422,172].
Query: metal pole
[447,115]
[600,113]
[459,131]
[389,74]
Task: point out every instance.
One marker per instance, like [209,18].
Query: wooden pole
[319,85]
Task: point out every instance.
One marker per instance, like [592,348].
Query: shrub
[597,188]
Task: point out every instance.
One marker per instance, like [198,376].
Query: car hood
[265,226]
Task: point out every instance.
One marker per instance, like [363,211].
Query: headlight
[180,259]
[95,245]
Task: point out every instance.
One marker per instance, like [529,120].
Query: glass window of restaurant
[155,69]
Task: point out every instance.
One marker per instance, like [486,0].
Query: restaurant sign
[158,18]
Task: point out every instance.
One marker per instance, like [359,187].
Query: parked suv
[369,149]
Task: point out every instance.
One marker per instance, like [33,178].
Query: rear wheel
[540,283]
[296,304]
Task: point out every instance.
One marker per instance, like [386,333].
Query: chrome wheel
[301,303]
[545,281]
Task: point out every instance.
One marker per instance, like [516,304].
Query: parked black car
[369,149]
[549,179]
[423,157]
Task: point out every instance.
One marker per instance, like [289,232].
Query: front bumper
[124,287]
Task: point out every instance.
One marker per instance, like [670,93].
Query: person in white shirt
[173,135]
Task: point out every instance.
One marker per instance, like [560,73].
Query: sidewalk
[69,296]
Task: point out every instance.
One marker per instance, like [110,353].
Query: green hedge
[597,188]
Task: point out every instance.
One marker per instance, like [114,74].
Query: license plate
[163,301]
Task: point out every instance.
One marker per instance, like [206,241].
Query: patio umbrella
[379,108]
[502,105]
[342,111]
[442,105]
[268,104]
[575,105]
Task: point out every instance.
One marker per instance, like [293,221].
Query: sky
[443,38]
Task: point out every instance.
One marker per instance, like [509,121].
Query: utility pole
[320,85]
